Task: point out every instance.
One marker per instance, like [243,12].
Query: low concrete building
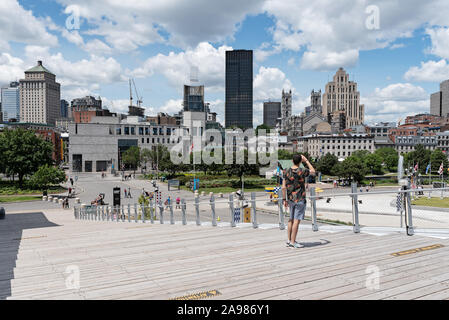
[340,145]
[443,141]
[99,145]
[405,144]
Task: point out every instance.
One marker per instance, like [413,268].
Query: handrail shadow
[11,229]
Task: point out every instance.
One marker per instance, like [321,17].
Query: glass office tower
[11,102]
[239,89]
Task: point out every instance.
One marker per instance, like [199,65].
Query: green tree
[326,163]
[263,126]
[46,176]
[22,152]
[284,154]
[373,163]
[437,157]
[390,158]
[145,157]
[353,168]
[131,157]
[421,156]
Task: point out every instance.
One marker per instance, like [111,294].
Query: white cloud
[430,71]
[440,41]
[20,25]
[127,25]
[332,33]
[171,106]
[268,84]
[10,68]
[84,72]
[176,66]
[322,60]
[394,102]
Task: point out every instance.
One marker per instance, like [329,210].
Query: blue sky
[397,52]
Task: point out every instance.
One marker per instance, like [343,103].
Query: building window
[127,131]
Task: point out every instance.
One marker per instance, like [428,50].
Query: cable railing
[359,209]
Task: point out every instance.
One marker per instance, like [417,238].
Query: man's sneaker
[297,245]
[289,244]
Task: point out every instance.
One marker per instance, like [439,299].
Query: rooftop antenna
[194,74]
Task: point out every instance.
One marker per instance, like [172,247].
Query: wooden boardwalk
[143,261]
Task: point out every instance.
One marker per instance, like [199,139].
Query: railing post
[129,212]
[102,213]
[408,214]
[313,208]
[231,209]
[122,213]
[161,212]
[355,208]
[212,207]
[172,216]
[183,210]
[152,209]
[280,210]
[142,217]
[197,210]
[254,213]
[135,212]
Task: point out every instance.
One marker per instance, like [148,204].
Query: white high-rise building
[40,96]
[342,95]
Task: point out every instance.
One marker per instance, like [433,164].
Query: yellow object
[247,214]
[218,218]
[317,189]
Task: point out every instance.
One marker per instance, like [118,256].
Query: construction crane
[139,99]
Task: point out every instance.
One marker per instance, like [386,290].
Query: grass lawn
[432,202]
[19,198]
[226,189]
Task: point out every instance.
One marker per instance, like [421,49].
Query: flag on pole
[428,168]
[191,148]
[440,171]
[416,167]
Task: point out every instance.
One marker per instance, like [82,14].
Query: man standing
[294,196]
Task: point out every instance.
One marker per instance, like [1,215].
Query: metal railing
[393,208]
[237,209]
[355,208]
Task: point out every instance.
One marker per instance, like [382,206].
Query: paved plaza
[44,251]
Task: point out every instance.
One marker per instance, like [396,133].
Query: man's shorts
[297,210]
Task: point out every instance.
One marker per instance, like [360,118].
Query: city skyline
[397,65]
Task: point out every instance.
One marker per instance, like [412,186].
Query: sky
[396,50]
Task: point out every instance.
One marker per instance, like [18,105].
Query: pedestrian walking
[126,193]
[178,202]
[71,181]
[167,202]
[129,193]
[294,196]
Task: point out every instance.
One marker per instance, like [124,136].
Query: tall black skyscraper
[239,88]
